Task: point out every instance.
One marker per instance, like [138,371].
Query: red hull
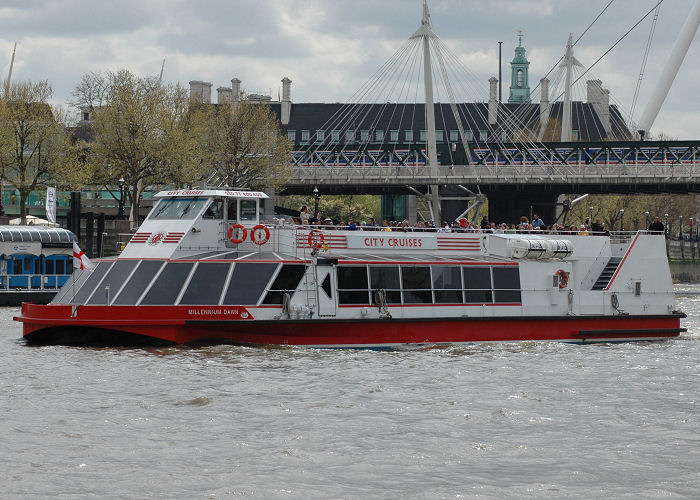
[183,324]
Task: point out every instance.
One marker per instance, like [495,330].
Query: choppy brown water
[534,420]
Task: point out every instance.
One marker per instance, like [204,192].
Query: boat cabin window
[206,283]
[352,285]
[95,276]
[386,278]
[215,210]
[248,211]
[166,288]
[506,284]
[477,282]
[232,212]
[113,282]
[248,282]
[178,208]
[287,281]
[138,282]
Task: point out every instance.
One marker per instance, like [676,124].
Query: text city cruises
[203,269]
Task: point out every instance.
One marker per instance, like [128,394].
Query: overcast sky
[329,48]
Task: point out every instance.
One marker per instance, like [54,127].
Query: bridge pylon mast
[426,33]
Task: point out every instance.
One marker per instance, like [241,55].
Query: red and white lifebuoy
[316,239]
[234,231]
[563,278]
[257,237]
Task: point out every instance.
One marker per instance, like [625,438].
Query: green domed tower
[519,81]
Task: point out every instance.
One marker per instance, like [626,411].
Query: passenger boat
[204,268]
[35,261]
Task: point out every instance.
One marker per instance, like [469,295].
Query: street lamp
[646,219]
[666,226]
[690,221]
[316,196]
[120,214]
[680,227]
[622,219]
[590,216]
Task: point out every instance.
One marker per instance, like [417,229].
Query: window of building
[439,135]
[320,135]
[305,136]
[469,135]
[483,135]
[423,136]
[292,135]
[574,135]
[349,136]
[519,78]
[454,135]
[335,136]
[408,134]
[364,136]
[379,136]
[394,136]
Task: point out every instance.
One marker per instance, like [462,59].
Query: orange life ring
[231,234]
[259,241]
[563,278]
[312,241]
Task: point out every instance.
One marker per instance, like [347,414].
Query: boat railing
[32,281]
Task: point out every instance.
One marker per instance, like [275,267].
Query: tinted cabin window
[168,284]
[416,285]
[138,282]
[477,284]
[206,284]
[178,208]
[447,282]
[286,281]
[49,267]
[248,282]
[215,210]
[114,280]
[90,283]
[506,284]
[386,278]
[248,210]
[352,285]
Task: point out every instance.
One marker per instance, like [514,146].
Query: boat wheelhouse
[35,262]
[204,267]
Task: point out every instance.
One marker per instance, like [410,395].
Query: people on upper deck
[352,226]
[385,225]
[537,222]
[656,225]
[485,223]
[305,215]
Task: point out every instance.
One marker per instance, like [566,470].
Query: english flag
[80,260]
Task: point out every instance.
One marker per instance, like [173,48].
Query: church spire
[519,80]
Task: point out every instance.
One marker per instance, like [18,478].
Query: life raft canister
[233,232]
[563,278]
[316,239]
[257,237]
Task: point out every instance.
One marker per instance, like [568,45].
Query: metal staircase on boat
[607,274]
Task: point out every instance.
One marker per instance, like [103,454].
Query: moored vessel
[204,268]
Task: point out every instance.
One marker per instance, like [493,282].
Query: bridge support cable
[644,60]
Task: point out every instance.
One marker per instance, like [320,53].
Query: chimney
[235,90]
[224,95]
[286,100]
[200,91]
[544,102]
[599,99]
[493,100]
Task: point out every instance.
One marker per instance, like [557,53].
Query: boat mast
[673,64]
[426,32]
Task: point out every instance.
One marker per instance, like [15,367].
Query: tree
[35,148]
[242,146]
[141,132]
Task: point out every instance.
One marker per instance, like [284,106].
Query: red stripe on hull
[169,323]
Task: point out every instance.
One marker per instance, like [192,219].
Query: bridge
[518,155]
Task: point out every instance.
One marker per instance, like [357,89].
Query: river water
[524,420]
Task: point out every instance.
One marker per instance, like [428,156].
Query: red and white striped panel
[464,243]
[173,237]
[332,240]
[140,237]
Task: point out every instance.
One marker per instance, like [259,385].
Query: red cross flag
[80,260]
